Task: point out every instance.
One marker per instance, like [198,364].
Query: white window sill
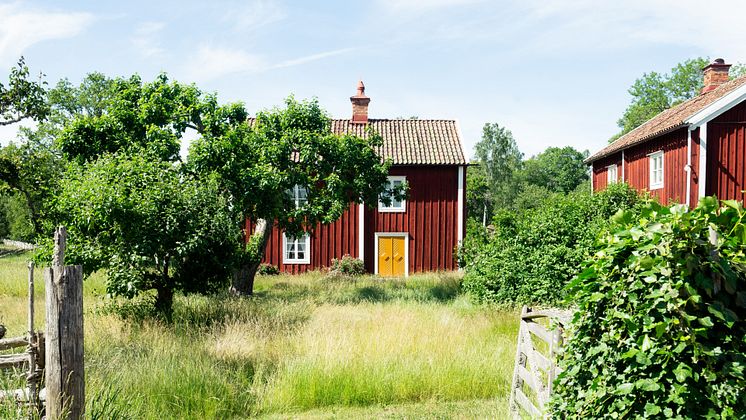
[656,187]
[392,210]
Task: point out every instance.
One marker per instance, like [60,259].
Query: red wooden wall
[726,152]
[637,167]
[431,220]
[327,241]
[600,180]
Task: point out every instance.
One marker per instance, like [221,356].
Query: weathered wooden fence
[539,341]
[59,351]
[32,359]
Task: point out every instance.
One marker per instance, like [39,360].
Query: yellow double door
[392,256]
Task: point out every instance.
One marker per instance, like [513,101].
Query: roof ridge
[667,119]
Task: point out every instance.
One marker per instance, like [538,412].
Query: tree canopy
[259,162]
[500,158]
[559,169]
[22,97]
[655,92]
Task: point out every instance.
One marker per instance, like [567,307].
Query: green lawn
[304,346]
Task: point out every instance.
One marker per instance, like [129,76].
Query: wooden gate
[539,342]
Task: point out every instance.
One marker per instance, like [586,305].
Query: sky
[555,73]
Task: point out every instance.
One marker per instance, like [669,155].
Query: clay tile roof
[412,142]
[668,120]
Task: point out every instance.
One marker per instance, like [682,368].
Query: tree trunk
[243,278]
[165,298]
[164,301]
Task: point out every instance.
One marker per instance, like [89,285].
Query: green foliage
[528,256]
[478,203]
[655,92]
[347,266]
[659,330]
[148,225]
[499,156]
[31,171]
[558,169]
[129,116]
[22,98]
[15,222]
[268,270]
[257,164]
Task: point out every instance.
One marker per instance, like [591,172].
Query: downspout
[688,167]
[623,179]
[702,183]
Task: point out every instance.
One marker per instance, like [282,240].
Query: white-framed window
[296,250]
[299,195]
[656,170]
[611,175]
[396,205]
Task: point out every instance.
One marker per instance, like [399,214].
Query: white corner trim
[702,182]
[592,172]
[460,235]
[623,179]
[716,108]
[688,167]
[404,235]
[361,231]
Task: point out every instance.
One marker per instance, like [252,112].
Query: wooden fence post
[64,378]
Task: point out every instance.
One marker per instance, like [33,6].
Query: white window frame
[391,209]
[307,255]
[612,169]
[656,184]
[295,195]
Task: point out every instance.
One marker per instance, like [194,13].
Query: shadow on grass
[352,290]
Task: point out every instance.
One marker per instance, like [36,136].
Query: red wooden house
[692,150]
[414,235]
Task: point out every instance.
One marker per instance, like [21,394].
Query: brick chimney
[715,74]
[360,105]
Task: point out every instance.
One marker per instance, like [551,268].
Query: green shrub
[268,270]
[347,266]
[661,319]
[528,256]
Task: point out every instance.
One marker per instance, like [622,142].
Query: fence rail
[539,341]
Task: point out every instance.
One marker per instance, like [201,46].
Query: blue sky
[554,72]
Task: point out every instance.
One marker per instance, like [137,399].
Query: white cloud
[312,57]
[23,27]
[146,38]
[254,14]
[580,24]
[420,6]
[214,62]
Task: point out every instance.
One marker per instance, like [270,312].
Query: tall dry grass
[306,344]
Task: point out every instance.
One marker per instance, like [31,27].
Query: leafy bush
[268,270]
[528,256]
[347,266]
[660,324]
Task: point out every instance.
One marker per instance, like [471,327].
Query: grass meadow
[303,347]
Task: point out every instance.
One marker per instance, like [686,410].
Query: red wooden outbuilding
[418,234]
[694,149]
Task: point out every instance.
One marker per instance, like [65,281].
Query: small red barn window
[396,205]
[611,175]
[656,170]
